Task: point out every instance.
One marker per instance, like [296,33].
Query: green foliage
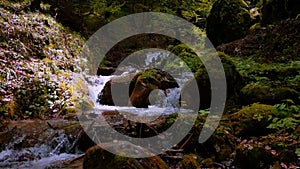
[204,111]
[288,117]
[88,16]
[253,119]
[286,123]
[269,74]
[188,9]
[38,55]
[297,151]
[35,98]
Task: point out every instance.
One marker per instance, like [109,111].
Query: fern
[286,123]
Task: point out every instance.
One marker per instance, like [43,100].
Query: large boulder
[147,81]
[253,120]
[228,20]
[98,158]
[120,86]
[276,43]
[276,10]
[234,83]
[139,88]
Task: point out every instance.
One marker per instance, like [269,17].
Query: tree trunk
[264,13]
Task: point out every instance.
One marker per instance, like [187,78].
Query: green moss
[190,161]
[183,54]
[233,79]
[155,79]
[254,119]
[228,20]
[254,92]
[105,63]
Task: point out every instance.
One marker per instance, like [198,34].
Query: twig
[52,127]
[186,141]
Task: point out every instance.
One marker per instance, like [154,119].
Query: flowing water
[56,148]
[40,155]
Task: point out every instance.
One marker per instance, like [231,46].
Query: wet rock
[29,133]
[228,20]
[138,88]
[98,158]
[133,125]
[253,120]
[105,71]
[234,83]
[253,93]
[120,87]
[146,82]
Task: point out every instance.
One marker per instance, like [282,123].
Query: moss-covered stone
[98,158]
[146,82]
[190,161]
[228,20]
[183,53]
[253,120]
[139,87]
[254,93]
[276,43]
[233,78]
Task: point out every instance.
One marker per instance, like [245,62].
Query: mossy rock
[227,21]
[98,158]
[252,156]
[219,146]
[190,161]
[278,42]
[147,81]
[253,120]
[139,88]
[233,78]
[183,53]
[255,93]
